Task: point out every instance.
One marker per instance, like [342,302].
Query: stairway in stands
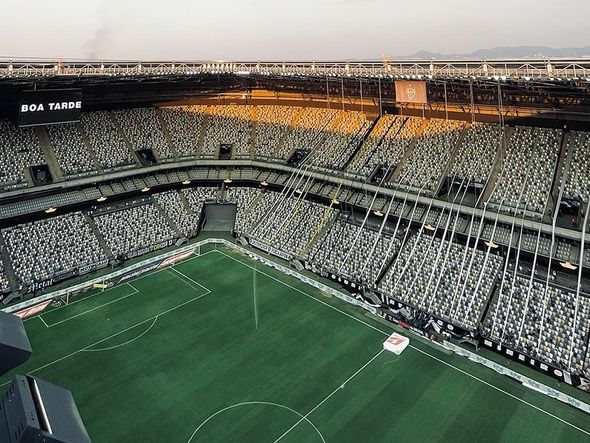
[101,241]
[361,143]
[91,151]
[8,269]
[49,155]
[166,132]
[173,225]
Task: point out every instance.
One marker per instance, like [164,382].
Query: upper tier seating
[19,149]
[142,128]
[106,140]
[339,140]
[228,124]
[380,147]
[577,184]
[70,149]
[427,162]
[527,173]
[307,131]
[274,122]
[184,124]
[477,151]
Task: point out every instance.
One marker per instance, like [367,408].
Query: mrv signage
[47,107]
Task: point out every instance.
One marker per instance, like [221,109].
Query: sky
[282,29]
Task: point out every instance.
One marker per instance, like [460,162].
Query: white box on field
[396,343]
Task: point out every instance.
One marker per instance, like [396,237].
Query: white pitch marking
[419,350]
[124,343]
[329,396]
[111,336]
[135,291]
[245,403]
[41,318]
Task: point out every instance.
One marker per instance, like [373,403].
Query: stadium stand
[231,125]
[70,149]
[307,129]
[143,130]
[46,248]
[106,140]
[184,217]
[540,320]
[274,122]
[339,140]
[184,124]
[430,156]
[376,147]
[527,173]
[134,228]
[245,199]
[4,284]
[444,279]
[353,251]
[477,152]
[197,196]
[19,149]
[577,185]
[288,222]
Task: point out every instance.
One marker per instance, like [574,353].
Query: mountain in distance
[506,52]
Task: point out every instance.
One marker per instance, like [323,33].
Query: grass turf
[175,356]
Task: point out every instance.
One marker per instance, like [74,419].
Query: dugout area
[176,356]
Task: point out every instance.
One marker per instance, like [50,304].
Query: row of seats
[443,278]
[70,149]
[4,284]
[527,171]
[245,199]
[429,158]
[40,250]
[19,149]
[184,217]
[184,124]
[274,123]
[143,130]
[287,221]
[476,153]
[134,228]
[106,140]
[339,140]
[353,251]
[380,147]
[577,184]
[229,124]
[540,320]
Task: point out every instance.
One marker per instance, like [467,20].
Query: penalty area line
[111,336]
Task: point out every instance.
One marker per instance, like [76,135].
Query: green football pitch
[193,354]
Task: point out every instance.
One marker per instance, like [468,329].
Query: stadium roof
[511,69]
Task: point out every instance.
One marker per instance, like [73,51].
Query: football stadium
[371,250]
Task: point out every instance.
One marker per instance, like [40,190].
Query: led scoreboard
[50,106]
